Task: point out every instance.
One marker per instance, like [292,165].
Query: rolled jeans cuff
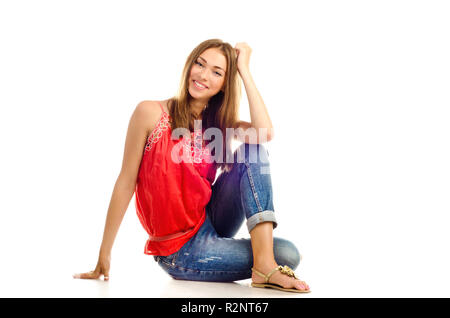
[260,217]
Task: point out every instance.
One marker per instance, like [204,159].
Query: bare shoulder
[149,112]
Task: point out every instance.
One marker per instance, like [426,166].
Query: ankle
[264,265]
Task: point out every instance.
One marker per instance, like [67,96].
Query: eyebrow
[207,63]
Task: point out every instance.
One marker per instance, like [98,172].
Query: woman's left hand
[243,52]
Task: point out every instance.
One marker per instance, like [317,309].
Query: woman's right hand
[102,268]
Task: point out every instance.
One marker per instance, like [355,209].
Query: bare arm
[118,205]
[143,121]
[138,129]
[260,130]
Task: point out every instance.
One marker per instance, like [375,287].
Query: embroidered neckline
[162,125]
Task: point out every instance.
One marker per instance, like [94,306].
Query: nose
[203,76]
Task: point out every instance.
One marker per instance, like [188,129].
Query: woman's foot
[277,278]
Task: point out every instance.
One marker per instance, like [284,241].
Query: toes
[305,284]
[302,285]
[299,285]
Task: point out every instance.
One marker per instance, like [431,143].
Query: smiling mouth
[198,85]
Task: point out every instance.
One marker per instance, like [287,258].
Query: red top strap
[162,108]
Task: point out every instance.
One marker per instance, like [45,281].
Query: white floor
[133,277]
[139,276]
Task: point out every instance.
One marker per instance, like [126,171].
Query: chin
[196,95]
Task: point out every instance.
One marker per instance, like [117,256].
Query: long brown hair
[223,108]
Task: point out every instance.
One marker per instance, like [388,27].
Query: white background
[358,92]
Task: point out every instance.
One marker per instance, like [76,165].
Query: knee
[286,253]
[252,153]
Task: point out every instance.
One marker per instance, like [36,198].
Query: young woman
[190,219]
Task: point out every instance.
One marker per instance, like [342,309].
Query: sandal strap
[283,269]
[272,272]
[259,273]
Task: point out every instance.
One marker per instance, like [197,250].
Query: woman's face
[209,70]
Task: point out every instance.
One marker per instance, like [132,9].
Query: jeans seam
[171,263]
[178,267]
[252,185]
[174,259]
[205,271]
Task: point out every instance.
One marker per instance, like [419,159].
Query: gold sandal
[284,270]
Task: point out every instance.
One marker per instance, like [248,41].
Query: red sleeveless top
[171,195]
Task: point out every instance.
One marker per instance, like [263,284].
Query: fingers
[88,275]
[92,275]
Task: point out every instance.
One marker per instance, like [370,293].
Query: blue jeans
[212,254]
